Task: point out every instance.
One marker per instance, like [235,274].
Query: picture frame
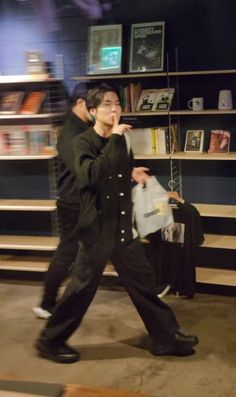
[194,141]
[219,141]
[104,49]
[147,47]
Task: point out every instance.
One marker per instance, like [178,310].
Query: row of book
[136,99]
[154,140]
[164,140]
[14,102]
[27,139]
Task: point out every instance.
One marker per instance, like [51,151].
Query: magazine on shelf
[219,141]
[146,100]
[194,141]
[32,102]
[163,99]
[10,102]
[147,47]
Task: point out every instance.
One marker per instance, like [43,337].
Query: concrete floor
[112,342]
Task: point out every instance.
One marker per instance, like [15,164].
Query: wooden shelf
[151,156]
[41,243]
[148,75]
[27,78]
[31,116]
[187,156]
[203,156]
[216,210]
[29,156]
[180,112]
[216,276]
[219,241]
[24,263]
[27,205]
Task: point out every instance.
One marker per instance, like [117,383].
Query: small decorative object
[225,100]
[34,62]
[163,99]
[194,141]
[196,104]
[10,102]
[147,47]
[219,141]
[105,49]
[33,102]
[146,100]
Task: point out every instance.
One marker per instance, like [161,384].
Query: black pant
[138,279]
[64,255]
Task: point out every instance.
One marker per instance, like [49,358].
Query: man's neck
[102,130]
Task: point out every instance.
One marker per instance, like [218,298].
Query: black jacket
[176,262]
[67,184]
[103,169]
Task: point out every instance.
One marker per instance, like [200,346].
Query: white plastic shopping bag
[151,207]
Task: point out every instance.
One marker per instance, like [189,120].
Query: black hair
[81,91]
[95,95]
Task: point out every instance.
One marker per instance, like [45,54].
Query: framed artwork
[194,141]
[104,49]
[219,141]
[147,47]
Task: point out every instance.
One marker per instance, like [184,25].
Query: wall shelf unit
[28,172]
[210,168]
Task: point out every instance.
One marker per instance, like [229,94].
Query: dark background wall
[203,30]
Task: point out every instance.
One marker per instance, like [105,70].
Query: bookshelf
[28,213]
[194,166]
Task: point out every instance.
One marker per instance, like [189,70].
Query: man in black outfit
[78,120]
[104,168]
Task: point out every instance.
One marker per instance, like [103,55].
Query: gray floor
[112,339]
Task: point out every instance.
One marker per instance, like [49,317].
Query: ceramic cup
[196,104]
[225,101]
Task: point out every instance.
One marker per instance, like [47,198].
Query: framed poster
[147,47]
[194,141]
[104,49]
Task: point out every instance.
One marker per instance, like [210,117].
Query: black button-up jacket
[103,167]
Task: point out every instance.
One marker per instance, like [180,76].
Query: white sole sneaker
[41,313]
[164,292]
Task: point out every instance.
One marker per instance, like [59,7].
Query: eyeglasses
[110,105]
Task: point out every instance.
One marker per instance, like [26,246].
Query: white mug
[196,103]
[225,100]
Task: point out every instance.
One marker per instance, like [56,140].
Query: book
[33,102]
[4,140]
[146,100]
[219,141]
[163,99]
[142,140]
[39,139]
[194,141]
[162,140]
[135,91]
[11,102]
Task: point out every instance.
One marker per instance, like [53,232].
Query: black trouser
[137,276]
[64,255]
